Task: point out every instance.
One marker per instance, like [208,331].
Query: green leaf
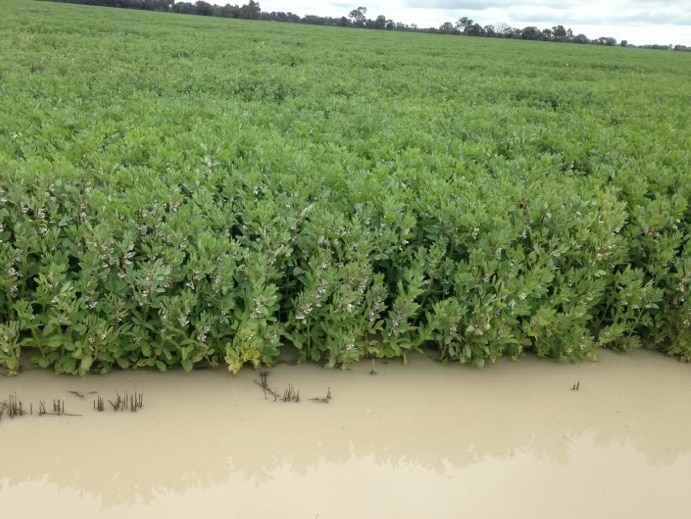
[85,364]
[68,365]
[43,362]
[12,364]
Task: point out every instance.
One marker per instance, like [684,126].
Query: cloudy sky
[638,21]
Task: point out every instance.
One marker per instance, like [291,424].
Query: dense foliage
[183,190]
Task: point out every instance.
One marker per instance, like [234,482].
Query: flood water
[423,440]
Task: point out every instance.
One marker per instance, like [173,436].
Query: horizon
[661,22]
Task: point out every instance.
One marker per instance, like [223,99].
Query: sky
[640,22]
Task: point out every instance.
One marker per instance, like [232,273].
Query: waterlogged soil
[423,440]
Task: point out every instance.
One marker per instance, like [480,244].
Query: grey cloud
[669,16]
[594,12]
[479,5]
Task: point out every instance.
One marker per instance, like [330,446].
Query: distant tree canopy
[358,18]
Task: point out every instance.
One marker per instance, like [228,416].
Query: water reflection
[205,431]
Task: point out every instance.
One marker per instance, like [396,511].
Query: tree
[474,30]
[251,11]
[156,5]
[378,23]
[185,8]
[504,30]
[559,33]
[230,11]
[204,8]
[607,40]
[463,23]
[358,16]
[447,28]
[531,33]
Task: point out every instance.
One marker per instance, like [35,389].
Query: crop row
[160,209]
[157,270]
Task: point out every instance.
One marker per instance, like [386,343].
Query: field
[180,190]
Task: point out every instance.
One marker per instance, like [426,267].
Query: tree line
[358,18]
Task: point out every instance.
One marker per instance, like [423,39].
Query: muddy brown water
[423,440]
